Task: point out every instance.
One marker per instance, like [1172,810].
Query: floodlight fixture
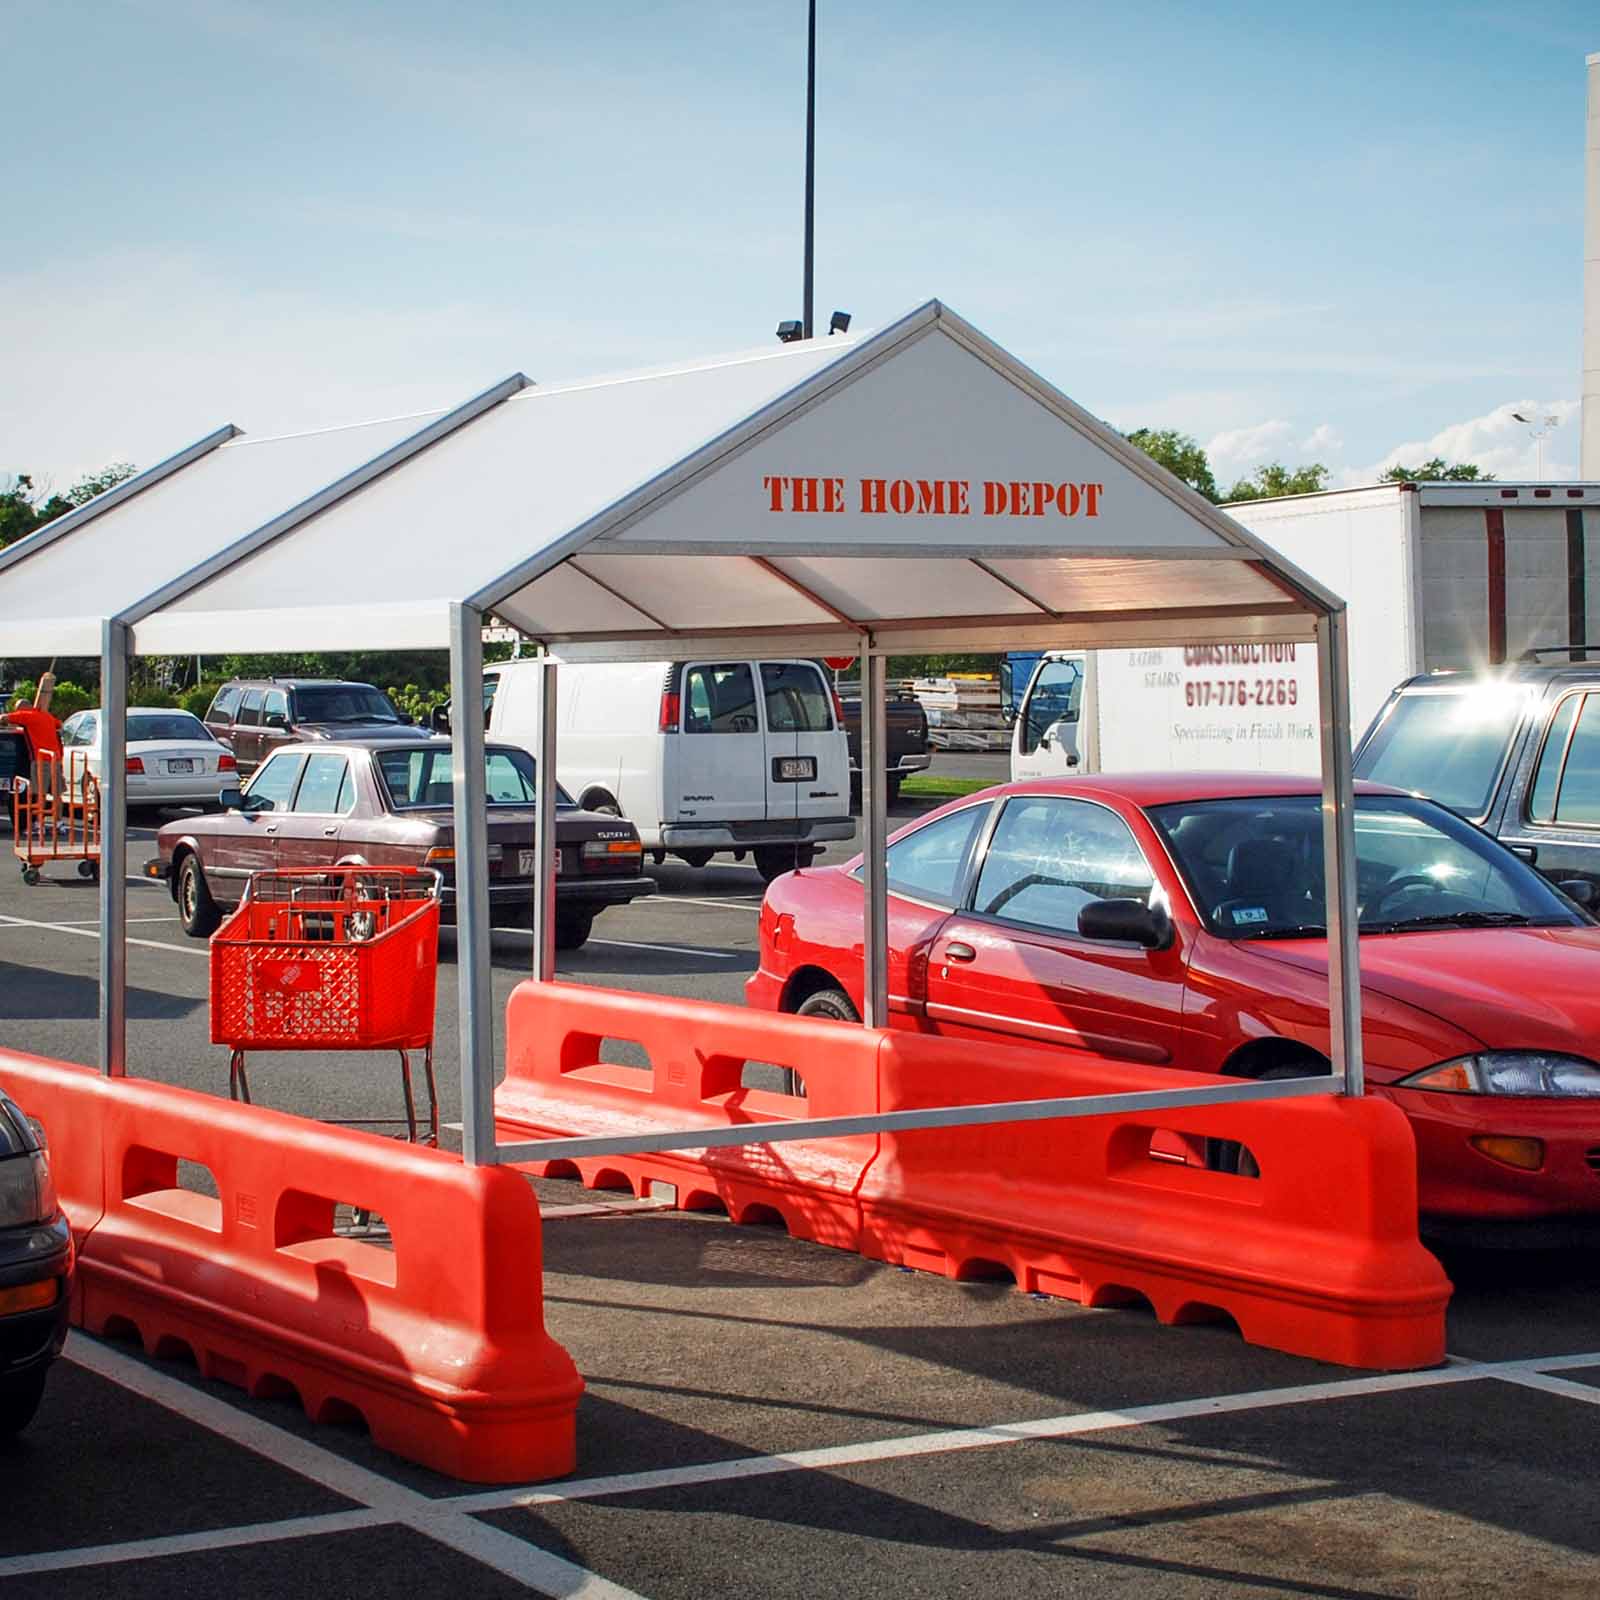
[839,322]
[788,332]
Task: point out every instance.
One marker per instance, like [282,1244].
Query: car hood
[1512,988]
[364,732]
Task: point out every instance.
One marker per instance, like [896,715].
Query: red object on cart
[330,958]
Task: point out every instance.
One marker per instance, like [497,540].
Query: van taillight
[838,707]
[671,710]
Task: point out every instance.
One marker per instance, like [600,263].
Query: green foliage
[1180,454]
[1437,471]
[24,506]
[197,701]
[418,704]
[1274,480]
[67,700]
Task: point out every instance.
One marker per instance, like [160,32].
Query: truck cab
[1049,733]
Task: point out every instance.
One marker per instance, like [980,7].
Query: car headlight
[1529,1073]
[27,1191]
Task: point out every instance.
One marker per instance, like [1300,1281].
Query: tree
[1275,479]
[22,510]
[1435,471]
[1181,455]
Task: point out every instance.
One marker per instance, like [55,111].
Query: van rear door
[807,767]
[719,773]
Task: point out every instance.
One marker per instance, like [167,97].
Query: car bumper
[753,835]
[763,991]
[1457,1182]
[575,890]
[898,769]
[30,1339]
[200,789]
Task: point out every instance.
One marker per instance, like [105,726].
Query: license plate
[184,765]
[794,769]
[525,863]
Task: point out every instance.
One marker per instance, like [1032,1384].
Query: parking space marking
[94,933]
[690,900]
[952,1439]
[1562,1386]
[635,944]
[381,1499]
[94,922]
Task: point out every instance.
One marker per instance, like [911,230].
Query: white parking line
[729,904]
[382,1500]
[634,944]
[94,922]
[1561,1386]
[94,933]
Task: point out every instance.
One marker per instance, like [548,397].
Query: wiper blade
[1452,919]
[1299,930]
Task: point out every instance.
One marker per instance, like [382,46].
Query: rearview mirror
[1126,922]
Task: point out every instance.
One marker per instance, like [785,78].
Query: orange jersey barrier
[439,1344]
[1318,1255]
[558,1082]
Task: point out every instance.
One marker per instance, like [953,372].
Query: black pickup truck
[910,749]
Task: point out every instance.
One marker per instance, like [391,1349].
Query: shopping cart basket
[331,958]
[55,815]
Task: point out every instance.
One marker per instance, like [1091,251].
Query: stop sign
[837,663]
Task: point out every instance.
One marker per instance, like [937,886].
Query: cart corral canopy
[916,484]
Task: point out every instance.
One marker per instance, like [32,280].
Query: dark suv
[253,716]
[1516,750]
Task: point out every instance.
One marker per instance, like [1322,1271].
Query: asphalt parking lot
[834,1425]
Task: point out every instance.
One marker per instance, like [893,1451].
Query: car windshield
[343,702]
[1446,744]
[425,777]
[146,725]
[1254,867]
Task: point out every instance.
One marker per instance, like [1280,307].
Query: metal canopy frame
[1306,612]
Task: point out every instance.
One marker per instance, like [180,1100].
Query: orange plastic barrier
[439,1343]
[558,1082]
[1317,1256]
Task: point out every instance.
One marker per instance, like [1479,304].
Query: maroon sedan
[1178,918]
[353,804]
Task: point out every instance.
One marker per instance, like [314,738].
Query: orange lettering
[902,497]
[1070,501]
[1044,494]
[958,498]
[805,494]
[872,500]
[994,498]
[930,497]
[833,494]
[1020,506]
[775,487]
[1091,493]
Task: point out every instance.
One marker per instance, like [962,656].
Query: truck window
[225,704]
[1449,746]
[250,709]
[1578,798]
[797,702]
[720,698]
[1056,697]
[1547,775]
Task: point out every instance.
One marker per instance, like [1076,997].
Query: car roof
[1532,673]
[1163,788]
[139,711]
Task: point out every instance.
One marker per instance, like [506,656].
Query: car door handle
[272,827]
[957,951]
[1526,852]
[328,833]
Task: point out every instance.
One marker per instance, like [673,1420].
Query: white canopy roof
[917,482]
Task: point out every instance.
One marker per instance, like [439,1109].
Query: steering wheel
[1012,890]
[1407,880]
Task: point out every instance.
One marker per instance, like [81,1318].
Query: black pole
[811,151]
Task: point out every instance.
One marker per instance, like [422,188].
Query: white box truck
[702,757]
[1436,576]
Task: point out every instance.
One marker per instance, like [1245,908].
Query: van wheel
[573,929]
[197,911]
[696,858]
[603,802]
[773,860]
[834,1004]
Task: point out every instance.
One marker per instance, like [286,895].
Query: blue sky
[1293,231]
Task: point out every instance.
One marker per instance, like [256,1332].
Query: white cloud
[1323,441]
[1497,442]
[1238,450]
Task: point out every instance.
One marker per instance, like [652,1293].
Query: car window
[1547,775]
[275,711]
[342,702]
[322,785]
[1057,695]
[250,708]
[425,777]
[78,730]
[797,699]
[1051,856]
[720,699]
[146,725]
[1578,799]
[1255,866]
[1447,745]
[346,803]
[275,779]
[928,864]
[225,704]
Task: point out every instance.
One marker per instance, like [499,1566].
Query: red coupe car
[1178,918]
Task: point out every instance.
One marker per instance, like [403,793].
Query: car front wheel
[573,929]
[197,911]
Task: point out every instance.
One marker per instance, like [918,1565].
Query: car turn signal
[1526,1155]
[440,852]
[29,1297]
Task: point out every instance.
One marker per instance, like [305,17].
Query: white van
[702,757]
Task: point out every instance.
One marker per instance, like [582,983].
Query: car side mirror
[1008,715]
[277,720]
[1126,922]
[231,800]
[439,718]
[1581,890]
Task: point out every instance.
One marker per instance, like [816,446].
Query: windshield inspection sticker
[1249,914]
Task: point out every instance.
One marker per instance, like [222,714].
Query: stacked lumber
[963,711]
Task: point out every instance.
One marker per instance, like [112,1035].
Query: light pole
[1538,427]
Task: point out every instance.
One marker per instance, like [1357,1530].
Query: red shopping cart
[331,958]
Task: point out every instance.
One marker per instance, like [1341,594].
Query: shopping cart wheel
[89,869]
[30,875]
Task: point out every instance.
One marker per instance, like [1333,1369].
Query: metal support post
[544,839]
[1339,850]
[874,831]
[475,994]
[113,848]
